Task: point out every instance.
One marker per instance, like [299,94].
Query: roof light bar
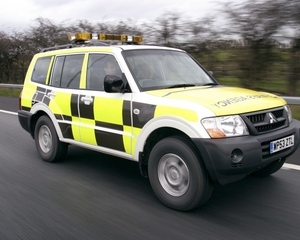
[77,37]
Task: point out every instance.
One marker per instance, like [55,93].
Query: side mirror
[211,73]
[113,84]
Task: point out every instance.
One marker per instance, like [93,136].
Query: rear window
[40,70]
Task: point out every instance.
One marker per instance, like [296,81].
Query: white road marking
[289,166]
[8,112]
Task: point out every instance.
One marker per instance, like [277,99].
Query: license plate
[281,144]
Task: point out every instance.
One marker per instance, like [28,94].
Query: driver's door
[105,118]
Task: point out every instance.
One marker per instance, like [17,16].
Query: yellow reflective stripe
[176,112]
[87,133]
[108,110]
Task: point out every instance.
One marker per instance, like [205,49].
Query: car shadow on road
[239,197]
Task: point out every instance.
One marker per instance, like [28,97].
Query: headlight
[288,112]
[227,126]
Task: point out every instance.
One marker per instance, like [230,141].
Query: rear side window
[67,71]
[39,74]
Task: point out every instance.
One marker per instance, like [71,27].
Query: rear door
[64,94]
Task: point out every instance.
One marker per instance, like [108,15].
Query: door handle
[51,94]
[87,100]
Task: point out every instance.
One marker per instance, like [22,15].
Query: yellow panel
[75,128]
[61,103]
[224,100]
[28,93]
[176,112]
[136,132]
[88,133]
[108,110]
[127,139]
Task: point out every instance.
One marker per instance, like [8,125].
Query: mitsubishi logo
[272,118]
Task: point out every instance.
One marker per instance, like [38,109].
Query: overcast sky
[19,14]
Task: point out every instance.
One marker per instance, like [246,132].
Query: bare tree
[165,30]
[290,11]
[46,34]
[256,22]
[10,51]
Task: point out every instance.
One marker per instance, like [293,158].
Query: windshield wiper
[182,85]
[210,84]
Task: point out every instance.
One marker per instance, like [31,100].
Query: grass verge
[10,92]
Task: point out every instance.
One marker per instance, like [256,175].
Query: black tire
[46,141]
[177,175]
[270,169]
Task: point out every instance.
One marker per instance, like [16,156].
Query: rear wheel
[177,176]
[270,169]
[46,140]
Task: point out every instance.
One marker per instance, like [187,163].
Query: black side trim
[109,140]
[146,113]
[66,130]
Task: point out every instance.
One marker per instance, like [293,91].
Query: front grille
[266,121]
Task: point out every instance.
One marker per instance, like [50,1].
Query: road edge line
[8,112]
[291,166]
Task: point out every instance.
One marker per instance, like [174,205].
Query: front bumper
[230,159]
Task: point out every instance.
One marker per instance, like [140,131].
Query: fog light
[236,155]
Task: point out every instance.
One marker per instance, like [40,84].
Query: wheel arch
[39,110]
[158,130]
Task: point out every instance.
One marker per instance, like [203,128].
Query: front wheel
[46,140]
[177,175]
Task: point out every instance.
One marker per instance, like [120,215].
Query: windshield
[159,69]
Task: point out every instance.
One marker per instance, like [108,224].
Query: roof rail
[75,44]
[56,47]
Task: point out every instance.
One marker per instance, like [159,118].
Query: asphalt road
[94,196]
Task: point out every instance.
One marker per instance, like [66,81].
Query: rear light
[20,96]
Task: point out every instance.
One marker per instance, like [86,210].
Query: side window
[67,71]
[40,70]
[100,65]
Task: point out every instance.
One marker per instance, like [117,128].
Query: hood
[223,100]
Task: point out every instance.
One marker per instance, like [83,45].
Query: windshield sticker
[234,100]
